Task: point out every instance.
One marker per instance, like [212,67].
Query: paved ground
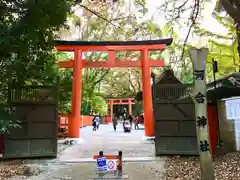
[108,141]
[76,163]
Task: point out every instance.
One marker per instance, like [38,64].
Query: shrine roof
[226,87]
[225,81]
[168,77]
[167,41]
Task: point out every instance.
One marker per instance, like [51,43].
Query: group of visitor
[128,122]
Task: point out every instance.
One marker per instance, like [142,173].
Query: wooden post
[120,164]
[130,107]
[199,57]
[111,110]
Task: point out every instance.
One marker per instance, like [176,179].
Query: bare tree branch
[101,17]
[194,16]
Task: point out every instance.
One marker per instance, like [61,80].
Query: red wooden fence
[85,120]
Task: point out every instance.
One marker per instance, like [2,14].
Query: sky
[208,23]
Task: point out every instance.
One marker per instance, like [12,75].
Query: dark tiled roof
[167,41]
[220,82]
[168,77]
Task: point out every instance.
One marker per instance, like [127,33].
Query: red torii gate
[78,63]
[116,101]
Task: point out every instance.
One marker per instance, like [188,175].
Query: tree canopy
[28,29]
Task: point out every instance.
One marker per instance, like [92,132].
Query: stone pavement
[76,163]
[110,142]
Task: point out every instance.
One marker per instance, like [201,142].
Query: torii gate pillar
[74,125]
[129,108]
[147,95]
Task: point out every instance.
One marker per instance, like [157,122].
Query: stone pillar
[199,57]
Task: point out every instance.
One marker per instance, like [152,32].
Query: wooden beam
[63,115]
[107,156]
[122,103]
[65,64]
[119,99]
[108,64]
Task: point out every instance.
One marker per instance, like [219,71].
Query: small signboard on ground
[106,164]
[109,166]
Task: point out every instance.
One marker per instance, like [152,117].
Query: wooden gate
[175,129]
[36,109]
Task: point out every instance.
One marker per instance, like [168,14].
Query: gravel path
[227,167]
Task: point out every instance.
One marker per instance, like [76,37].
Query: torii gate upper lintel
[111,47]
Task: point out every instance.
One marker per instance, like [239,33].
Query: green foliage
[138,108]
[28,29]
[223,48]
[86,107]
[95,104]
[7,120]
[139,96]
[65,94]
[99,105]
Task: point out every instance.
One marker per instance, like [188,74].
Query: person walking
[142,118]
[136,123]
[94,124]
[127,126]
[130,118]
[98,119]
[114,121]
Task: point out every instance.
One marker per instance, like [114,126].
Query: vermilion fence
[85,120]
[107,119]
